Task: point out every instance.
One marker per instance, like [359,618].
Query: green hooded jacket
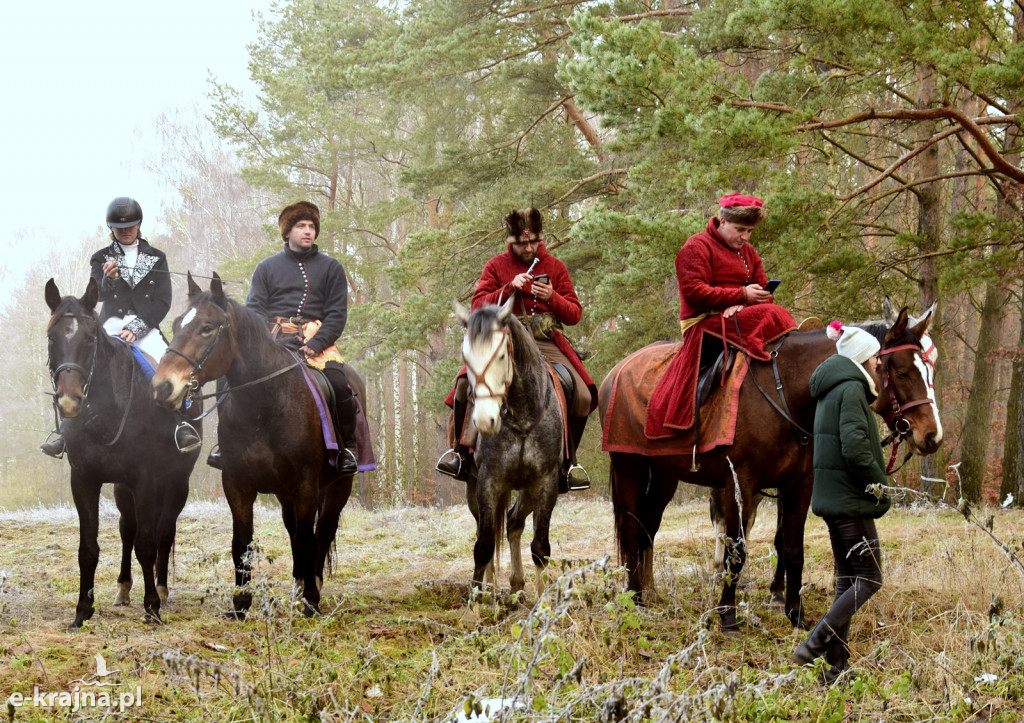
[847,449]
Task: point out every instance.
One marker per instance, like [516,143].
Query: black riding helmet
[124,212]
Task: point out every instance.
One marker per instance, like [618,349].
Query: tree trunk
[930,213]
[1013,443]
[977,429]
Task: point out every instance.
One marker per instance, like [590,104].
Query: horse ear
[506,310]
[193,287]
[217,292]
[91,295]
[888,311]
[899,327]
[52,294]
[461,313]
[921,325]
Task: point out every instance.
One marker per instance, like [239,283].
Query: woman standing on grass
[847,462]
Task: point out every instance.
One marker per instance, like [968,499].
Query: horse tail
[333,547]
[500,514]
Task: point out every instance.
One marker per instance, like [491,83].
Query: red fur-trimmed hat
[301,211]
[738,199]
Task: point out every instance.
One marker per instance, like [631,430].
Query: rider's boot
[461,460]
[53,445]
[346,414]
[572,476]
[186,438]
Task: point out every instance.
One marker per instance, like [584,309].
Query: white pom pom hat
[853,343]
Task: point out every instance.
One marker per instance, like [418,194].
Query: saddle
[711,375]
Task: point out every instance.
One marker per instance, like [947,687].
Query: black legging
[858,561]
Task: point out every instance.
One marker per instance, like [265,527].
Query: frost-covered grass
[398,641]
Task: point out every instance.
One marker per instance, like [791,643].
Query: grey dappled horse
[520,446]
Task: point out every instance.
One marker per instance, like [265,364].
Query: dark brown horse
[114,434]
[770,450]
[269,432]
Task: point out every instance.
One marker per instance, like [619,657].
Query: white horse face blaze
[489,369]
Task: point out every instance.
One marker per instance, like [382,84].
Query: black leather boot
[346,415]
[461,460]
[186,437]
[572,476]
[53,445]
[459,464]
[815,646]
[214,460]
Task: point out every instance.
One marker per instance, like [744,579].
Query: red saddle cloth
[627,413]
[672,401]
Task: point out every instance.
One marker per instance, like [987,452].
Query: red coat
[711,275]
[494,286]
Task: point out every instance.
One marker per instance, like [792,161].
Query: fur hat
[524,224]
[301,211]
[741,209]
[853,343]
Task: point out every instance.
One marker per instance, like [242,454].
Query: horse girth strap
[806,436]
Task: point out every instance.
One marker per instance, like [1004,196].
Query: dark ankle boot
[186,437]
[346,411]
[53,445]
[572,476]
[214,460]
[457,465]
[815,646]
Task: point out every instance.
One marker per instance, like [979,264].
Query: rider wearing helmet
[135,288]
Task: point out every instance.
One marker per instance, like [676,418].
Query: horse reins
[193,379]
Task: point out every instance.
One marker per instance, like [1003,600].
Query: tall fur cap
[524,224]
[301,211]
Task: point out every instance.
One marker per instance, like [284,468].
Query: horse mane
[482,321]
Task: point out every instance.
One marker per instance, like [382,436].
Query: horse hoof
[153,618]
[75,626]
[732,633]
[123,594]
[310,610]
[236,614]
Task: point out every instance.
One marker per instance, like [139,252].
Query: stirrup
[54,445]
[577,483]
[347,462]
[447,468]
[184,426]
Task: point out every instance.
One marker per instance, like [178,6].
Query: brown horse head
[905,379]
[202,345]
[71,336]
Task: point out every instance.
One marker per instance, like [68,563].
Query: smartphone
[543,278]
[772,285]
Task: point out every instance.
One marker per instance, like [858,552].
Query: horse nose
[70,404]
[487,424]
[932,441]
[162,394]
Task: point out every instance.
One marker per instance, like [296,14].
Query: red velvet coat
[711,275]
[494,286]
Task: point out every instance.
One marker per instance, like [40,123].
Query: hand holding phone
[772,285]
[542,278]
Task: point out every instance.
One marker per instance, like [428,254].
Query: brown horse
[770,450]
[269,432]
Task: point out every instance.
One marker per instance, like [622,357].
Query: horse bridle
[479,375]
[899,426]
[197,366]
[72,366]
